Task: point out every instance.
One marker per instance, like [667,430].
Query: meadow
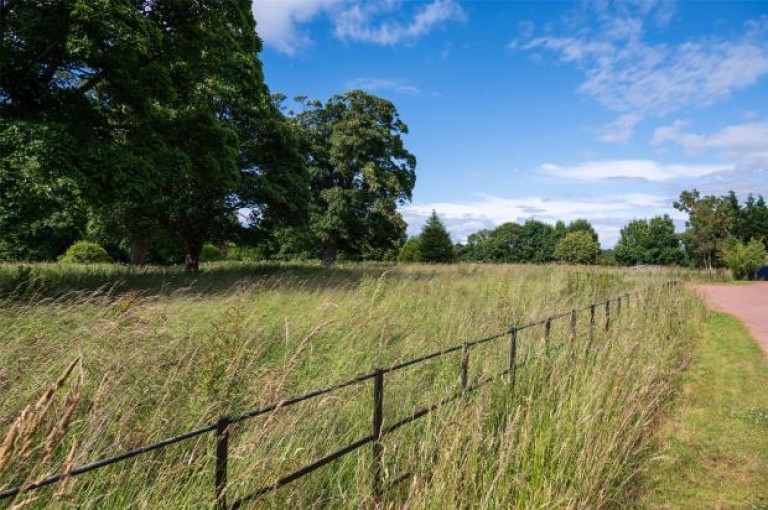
[157,352]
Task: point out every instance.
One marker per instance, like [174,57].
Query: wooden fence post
[607,315]
[378,418]
[591,322]
[573,325]
[464,366]
[512,356]
[222,454]
[547,332]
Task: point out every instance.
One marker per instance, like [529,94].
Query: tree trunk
[192,258]
[138,252]
[329,252]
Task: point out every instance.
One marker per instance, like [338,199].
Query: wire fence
[221,428]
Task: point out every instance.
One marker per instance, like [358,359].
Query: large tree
[157,110]
[649,242]
[360,171]
[710,221]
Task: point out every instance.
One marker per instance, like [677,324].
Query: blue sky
[547,110]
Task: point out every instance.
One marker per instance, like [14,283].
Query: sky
[545,110]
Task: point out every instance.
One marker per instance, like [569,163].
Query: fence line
[222,425]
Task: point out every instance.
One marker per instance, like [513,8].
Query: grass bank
[576,431]
[715,444]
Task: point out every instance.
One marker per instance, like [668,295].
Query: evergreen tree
[435,245]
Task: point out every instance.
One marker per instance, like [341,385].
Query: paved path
[747,302]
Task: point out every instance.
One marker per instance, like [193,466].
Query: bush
[85,252]
[744,260]
[245,253]
[211,253]
[411,250]
[577,247]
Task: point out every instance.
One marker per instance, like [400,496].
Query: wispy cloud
[379,84]
[361,22]
[280,22]
[626,73]
[628,169]
[746,144]
[608,214]
[621,129]
[737,139]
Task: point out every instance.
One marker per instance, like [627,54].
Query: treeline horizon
[720,231]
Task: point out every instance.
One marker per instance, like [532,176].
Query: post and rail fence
[222,426]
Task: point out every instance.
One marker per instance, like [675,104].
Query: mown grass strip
[715,445]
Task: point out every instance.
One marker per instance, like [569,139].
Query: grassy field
[167,352]
[715,452]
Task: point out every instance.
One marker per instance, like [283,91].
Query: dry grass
[574,433]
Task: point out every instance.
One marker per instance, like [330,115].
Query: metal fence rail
[222,426]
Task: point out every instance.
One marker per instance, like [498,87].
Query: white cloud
[621,129]
[627,74]
[279,22]
[738,139]
[379,84]
[607,214]
[358,22]
[631,169]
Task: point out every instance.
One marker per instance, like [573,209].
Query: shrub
[744,260]
[577,247]
[211,253]
[85,252]
[245,253]
[411,250]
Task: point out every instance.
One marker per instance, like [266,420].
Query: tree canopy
[360,171]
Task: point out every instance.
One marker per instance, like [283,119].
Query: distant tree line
[147,127]
[720,231]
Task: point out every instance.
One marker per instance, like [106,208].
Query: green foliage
[744,259]
[245,253]
[411,250]
[211,253]
[577,247]
[360,171]
[538,242]
[710,220]
[85,252]
[155,115]
[649,242]
[607,258]
[434,241]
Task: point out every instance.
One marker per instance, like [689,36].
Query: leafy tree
[649,242]
[710,220]
[360,171]
[538,242]
[434,241]
[157,111]
[411,250]
[752,221]
[577,247]
[744,259]
[582,225]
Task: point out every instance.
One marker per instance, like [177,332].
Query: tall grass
[575,431]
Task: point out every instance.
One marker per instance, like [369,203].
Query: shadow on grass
[35,282]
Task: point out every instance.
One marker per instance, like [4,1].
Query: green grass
[576,432]
[715,452]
